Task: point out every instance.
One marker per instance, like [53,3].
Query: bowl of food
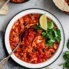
[42,41]
[19,1]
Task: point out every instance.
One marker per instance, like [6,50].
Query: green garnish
[66,65]
[68,44]
[44,34]
[57,35]
[51,36]
[66,58]
[37,27]
[49,43]
[50,25]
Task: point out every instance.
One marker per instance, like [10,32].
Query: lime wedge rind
[50,25]
[43,21]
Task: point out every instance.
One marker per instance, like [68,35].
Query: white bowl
[23,13]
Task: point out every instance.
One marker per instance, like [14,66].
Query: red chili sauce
[32,48]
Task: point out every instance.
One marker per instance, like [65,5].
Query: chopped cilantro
[68,44]
[37,27]
[66,58]
[51,36]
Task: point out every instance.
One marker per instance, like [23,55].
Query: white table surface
[44,4]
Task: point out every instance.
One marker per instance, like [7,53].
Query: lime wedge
[43,22]
[50,25]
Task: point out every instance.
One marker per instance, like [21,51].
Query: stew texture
[33,48]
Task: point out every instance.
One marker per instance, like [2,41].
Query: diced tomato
[32,48]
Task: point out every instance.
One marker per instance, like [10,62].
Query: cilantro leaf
[68,44]
[37,27]
[50,25]
[57,35]
[44,34]
[66,65]
[51,36]
[49,43]
[66,56]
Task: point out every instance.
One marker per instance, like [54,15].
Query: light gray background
[44,4]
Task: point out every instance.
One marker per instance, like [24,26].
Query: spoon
[4,4]
[2,62]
